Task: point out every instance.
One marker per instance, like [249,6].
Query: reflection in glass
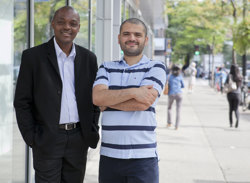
[82,6]
[122,11]
[12,153]
[43,14]
[93,11]
[20,30]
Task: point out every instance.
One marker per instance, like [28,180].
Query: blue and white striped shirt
[130,134]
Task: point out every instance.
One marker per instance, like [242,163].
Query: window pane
[82,6]
[12,148]
[44,11]
[124,11]
[93,9]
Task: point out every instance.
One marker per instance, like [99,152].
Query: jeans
[171,99]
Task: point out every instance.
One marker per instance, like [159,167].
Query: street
[204,149]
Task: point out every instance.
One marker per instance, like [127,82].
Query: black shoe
[231,125]
[236,125]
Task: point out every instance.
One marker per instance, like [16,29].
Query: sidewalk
[204,149]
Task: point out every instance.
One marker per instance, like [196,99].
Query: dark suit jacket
[38,96]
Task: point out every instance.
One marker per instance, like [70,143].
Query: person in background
[223,78]
[217,79]
[53,102]
[176,83]
[233,96]
[192,77]
[127,91]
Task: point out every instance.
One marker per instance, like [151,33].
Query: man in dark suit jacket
[53,102]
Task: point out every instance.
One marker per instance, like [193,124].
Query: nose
[66,26]
[132,37]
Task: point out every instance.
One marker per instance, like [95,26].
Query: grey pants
[171,98]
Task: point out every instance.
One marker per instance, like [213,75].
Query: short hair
[65,8]
[135,21]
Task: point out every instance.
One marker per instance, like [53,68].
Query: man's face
[132,39]
[66,25]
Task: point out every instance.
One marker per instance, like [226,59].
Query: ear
[119,38]
[146,40]
[52,24]
[79,27]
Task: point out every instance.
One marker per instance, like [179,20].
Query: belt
[69,126]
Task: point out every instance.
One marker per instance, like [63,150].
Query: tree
[194,22]
[242,37]
[43,16]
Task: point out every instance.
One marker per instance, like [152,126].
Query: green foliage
[43,16]
[82,8]
[194,22]
[20,31]
[242,37]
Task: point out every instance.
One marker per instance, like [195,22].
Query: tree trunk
[212,52]
[234,59]
[212,75]
[244,57]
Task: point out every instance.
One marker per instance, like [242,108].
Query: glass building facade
[23,24]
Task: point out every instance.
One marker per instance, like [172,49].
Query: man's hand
[146,94]
[102,96]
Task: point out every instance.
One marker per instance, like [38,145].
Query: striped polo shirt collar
[143,60]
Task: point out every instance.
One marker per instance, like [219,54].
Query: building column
[116,29]
[104,30]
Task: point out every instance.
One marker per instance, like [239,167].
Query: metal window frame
[90,25]
[30,43]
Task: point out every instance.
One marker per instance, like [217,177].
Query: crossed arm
[132,99]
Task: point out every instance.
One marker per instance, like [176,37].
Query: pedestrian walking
[233,84]
[223,78]
[175,84]
[192,77]
[217,79]
[54,110]
[128,90]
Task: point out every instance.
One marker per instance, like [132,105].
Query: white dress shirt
[69,111]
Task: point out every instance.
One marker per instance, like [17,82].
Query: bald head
[65,9]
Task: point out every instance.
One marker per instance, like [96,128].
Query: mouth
[130,43]
[66,34]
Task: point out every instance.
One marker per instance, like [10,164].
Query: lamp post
[209,63]
[244,58]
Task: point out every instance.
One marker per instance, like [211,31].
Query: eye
[73,24]
[138,34]
[125,33]
[60,22]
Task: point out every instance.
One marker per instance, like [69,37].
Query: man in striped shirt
[127,92]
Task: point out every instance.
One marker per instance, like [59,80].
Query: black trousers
[144,170]
[68,162]
[234,101]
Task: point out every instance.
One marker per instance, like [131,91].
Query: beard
[132,51]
